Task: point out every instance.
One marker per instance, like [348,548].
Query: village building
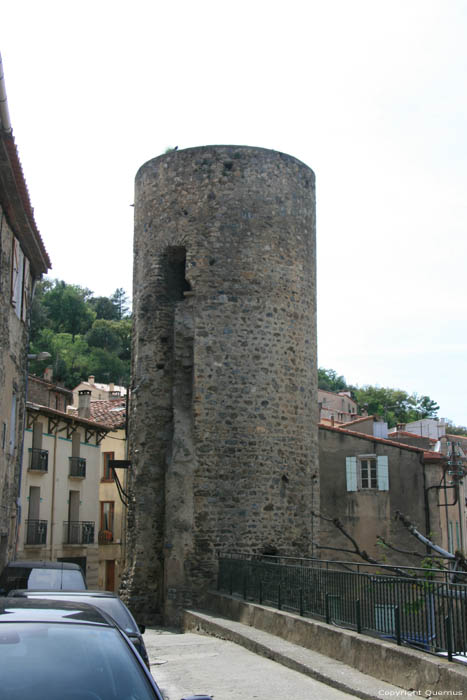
[336,407]
[365,480]
[59,488]
[99,391]
[23,259]
[111,494]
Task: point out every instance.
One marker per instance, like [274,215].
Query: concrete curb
[412,671]
[321,668]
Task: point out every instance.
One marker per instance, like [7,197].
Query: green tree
[394,405]
[105,308]
[329,380]
[104,335]
[456,429]
[121,303]
[67,308]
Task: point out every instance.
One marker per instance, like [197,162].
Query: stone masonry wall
[224,398]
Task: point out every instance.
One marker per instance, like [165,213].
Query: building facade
[365,480]
[23,259]
[59,489]
[224,388]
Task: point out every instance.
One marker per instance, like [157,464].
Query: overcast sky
[370,94]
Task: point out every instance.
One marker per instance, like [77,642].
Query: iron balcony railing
[77,467]
[78,532]
[105,537]
[426,610]
[36,531]
[38,459]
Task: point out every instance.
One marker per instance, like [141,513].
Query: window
[107,516]
[107,474]
[366,472]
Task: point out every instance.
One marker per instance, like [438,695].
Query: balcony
[78,532]
[38,460]
[77,467]
[36,532]
[105,537]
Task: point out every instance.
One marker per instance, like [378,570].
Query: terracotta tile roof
[68,416]
[18,207]
[110,412]
[360,419]
[427,454]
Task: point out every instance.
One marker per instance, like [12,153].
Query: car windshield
[68,661]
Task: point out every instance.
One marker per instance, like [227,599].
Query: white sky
[370,94]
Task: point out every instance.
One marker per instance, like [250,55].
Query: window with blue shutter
[383,473]
[351,472]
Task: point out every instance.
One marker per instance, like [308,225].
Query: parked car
[104,600]
[64,650]
[48,575]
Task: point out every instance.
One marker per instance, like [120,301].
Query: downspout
[5,123]
[52,504]
[427,502]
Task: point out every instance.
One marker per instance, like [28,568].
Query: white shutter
[351,472]
[26,290]
[383,473]
[17,277]
[13,425]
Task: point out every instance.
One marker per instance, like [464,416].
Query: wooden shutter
[26,290]
[351,473]
[383,473]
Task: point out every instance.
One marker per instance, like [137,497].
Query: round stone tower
[223,419]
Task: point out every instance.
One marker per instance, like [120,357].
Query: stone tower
[224,398]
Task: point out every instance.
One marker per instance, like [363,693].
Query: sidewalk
[193,663]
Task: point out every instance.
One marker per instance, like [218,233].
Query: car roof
[43,565]
[62,592]
[42,610]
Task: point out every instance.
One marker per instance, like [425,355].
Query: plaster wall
[55,485]
[113,442]
[367,513]
[13,349]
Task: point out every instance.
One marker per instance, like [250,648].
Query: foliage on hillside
[392,405]
[84,334]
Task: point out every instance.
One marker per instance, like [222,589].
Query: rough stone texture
[224,397]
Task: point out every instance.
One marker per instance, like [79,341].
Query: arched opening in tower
[177,282]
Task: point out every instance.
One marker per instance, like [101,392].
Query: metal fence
[427,610]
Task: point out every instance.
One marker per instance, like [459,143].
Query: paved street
[192,663]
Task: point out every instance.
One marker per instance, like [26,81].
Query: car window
[54,661]
[113,606]
[18,577]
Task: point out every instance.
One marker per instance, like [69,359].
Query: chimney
[48,374]
[111,387]
[84,403]
[91,379]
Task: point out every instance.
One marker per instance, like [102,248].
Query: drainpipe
[5,123]
[427,502]
[52,505]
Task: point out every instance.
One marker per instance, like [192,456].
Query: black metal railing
[38,459]
[419,607]
[77,466]
[105,537]
[36,531]
[78,532]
